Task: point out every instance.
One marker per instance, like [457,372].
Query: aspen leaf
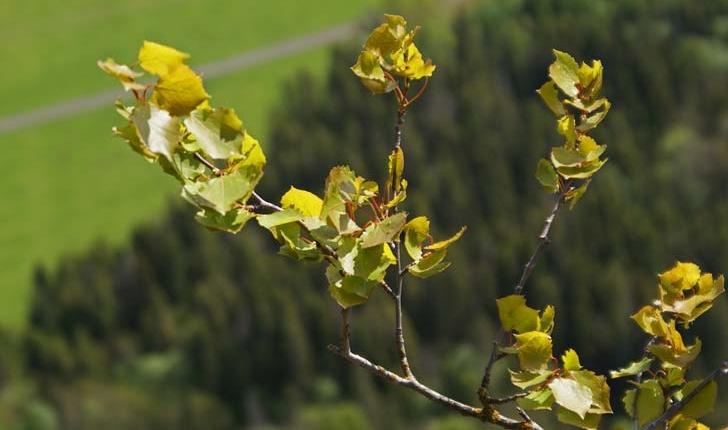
[416,231]
[371,74]
[534,350]
[408,63]
[550,96]
[218,132]
[525,379]
[231,222]
[704,401]
[179,91]
[275,219]
[305,202]
[562,157]
[600,402]
[564,73]
[221,192]
[159,59]
[351,291]
[590,78]
[650,320]
[571,395]
[594,119]
[159,131]
[123,73]
[678,357]
[571,360]
[650,401]
[566,126]
[589,421]
[546,176]
[537,400]
[395,168]
[634,368]
[387,38]
[444,244]
[515,315]
[681,422]
[130,133]
[429,265]
[576,194]
[582,171]
[384,231]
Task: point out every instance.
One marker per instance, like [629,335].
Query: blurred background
[118,311]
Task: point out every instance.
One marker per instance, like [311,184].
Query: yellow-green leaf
[546,176]
[159,131]
[395,167]
[515,315]
[704,401]
[524,379]
[564,73]
[537,400]
[305,202]
[416,231]
[123,73]
[384,231]
[444,244]
[550,96]
[650,320]
[179,92]
[634,368]
[534,350]
[218,132]
[589,421]
[231,222]
[678,357]
[566,126]
[571,360]
[160,59]
[409,63]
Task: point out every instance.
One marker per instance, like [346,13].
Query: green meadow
[71,184]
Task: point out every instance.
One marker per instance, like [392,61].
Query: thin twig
[207,163]
[387,289]
[345,344]
[543,240]
[266,204]
[398,127]
[677,407]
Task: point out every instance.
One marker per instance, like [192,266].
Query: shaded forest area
[197,330]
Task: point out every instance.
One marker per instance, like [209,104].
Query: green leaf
[179,92]
[590,78]
[515,315]
[306,203]
[219,132]
[534,350]
[537,400]
[429,265]
[372,263]
[681,422]
[562,157]
[564,73]
[219,193]
[634,368]
[704,401]
[231,222]
[275,219]
[157,129]
[589,421]
[444,244]
[583,171]
[571,360]
[130,133]
[546,322]
[673,356]
[546,176]
[550,96]
[572,395]
[160,59]
[524,380]
[384,231]
[650,401]
[351,291]
[576,194]
[593,120]
[416,231]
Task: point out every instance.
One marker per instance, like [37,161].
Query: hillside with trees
[190,329]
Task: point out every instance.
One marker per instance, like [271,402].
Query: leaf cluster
[579,112]
[684,294]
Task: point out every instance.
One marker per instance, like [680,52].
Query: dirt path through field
[223,67]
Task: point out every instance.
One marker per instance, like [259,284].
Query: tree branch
[484,414]
[543,240]
[266,204]
[676,407]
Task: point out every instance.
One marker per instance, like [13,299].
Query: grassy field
[69,182]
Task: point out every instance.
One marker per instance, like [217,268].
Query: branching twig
[677,407]
[484,414]
[266,204]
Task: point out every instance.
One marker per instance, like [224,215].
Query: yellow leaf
[123,73]
[305,202]
[179,92]
[160,59]
[408,63]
